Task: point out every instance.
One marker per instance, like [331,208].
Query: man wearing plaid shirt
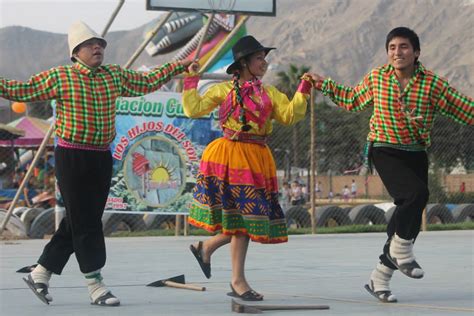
[405,97]
[85,94]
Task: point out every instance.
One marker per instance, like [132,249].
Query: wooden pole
[423,221]
[112,18]
[177,227]
[147,40]
[27,177]
[312,180]
[186,225]
[203,37]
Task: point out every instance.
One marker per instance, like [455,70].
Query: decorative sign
[156,154]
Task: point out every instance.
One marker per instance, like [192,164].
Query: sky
[56,15]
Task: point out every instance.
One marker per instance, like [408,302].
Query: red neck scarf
[256,110]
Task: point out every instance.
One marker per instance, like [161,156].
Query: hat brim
[235,65]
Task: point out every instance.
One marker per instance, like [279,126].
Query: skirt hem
[231,232]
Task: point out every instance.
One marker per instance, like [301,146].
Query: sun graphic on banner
[155,171]
[161,174]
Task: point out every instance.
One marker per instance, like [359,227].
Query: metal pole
[424,227]
[112,18]
[186,225]
[27,176]
[147,40]
[203,37]
[224,43]
[312,180]
[177,227]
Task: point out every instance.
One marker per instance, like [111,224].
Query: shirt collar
[419,68]
[86,70]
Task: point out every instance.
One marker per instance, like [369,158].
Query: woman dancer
[236,194]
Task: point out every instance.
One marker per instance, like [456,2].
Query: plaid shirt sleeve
[136,83]
[351,98]
[455,105]
[40,87]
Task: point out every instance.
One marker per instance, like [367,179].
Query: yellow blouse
[284,111]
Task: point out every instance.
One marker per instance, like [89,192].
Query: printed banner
[156,154]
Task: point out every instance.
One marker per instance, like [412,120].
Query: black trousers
[84,181]
[405,176]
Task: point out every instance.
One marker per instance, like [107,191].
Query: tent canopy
[9,133]
[34,130]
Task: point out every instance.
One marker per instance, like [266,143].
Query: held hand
[194,67]
[308,77]
[317,78]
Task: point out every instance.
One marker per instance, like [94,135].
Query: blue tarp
[9,194]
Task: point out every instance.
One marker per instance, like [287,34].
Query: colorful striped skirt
[237,192]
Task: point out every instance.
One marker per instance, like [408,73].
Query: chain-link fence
[344,193]
[342,180]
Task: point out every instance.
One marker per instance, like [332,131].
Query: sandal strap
[40,287]
[102,300]
[250,294]
[384,296]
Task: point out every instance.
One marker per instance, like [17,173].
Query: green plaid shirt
[85,108]
[402,117]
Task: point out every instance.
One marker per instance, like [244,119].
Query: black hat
[245,46]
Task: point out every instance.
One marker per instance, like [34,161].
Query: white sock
[41,275]
[381,277]
[402,250]
[97,288]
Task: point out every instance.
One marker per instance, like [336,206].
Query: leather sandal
[40,289]
[197,252]
[383,296]
[406,268]
[250,295]
[108,299]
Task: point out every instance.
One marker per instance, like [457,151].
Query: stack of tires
[40,223]
[368,214]
[326,216]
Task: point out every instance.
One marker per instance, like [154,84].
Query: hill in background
[343,39]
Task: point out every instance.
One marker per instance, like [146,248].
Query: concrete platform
[310,269]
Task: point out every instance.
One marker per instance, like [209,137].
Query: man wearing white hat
[85,94]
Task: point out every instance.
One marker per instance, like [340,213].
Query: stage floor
[309,269]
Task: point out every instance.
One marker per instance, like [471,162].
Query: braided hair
[237,99]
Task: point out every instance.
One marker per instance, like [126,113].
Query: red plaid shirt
[85,108]
[402,117]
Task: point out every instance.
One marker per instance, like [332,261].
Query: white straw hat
[79,32]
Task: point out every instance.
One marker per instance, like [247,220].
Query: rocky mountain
[343,39]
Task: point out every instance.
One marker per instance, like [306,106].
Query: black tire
[28,216]
[346,210]
[367,214]
[298,217]
[438,214]
[331,216]
[123,222]
[14,227]
[389,213]
[19,210]
[161,221]
[42,225]
[463,213]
